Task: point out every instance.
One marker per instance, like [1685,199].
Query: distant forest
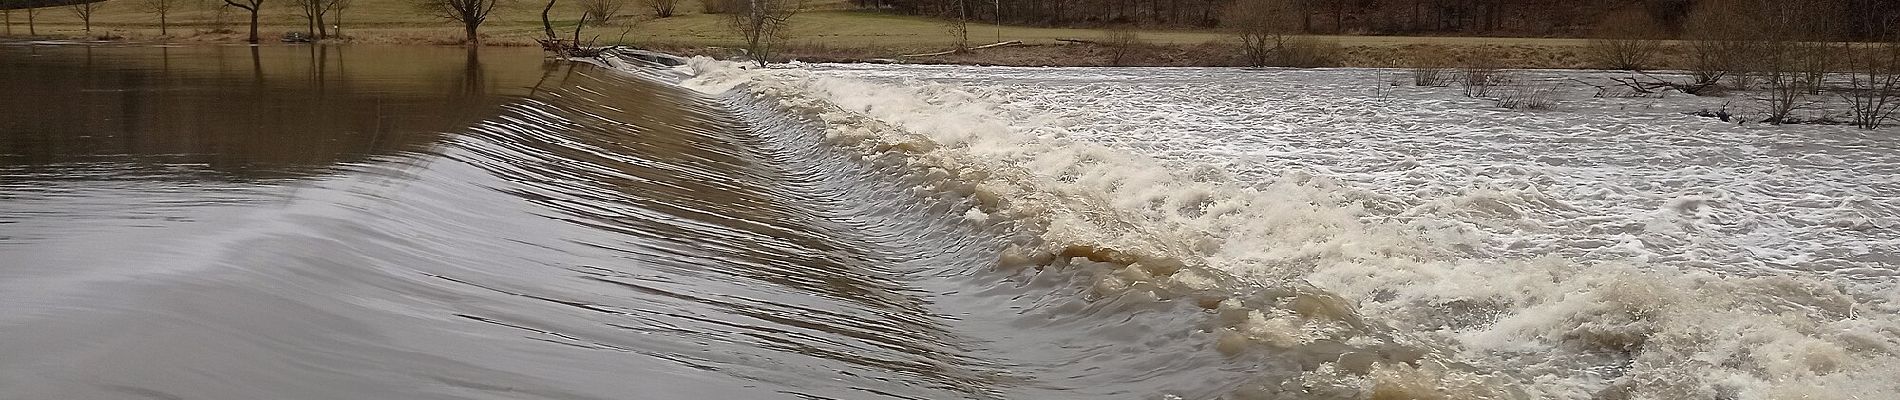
[1843,19]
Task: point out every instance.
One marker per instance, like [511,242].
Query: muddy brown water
[429,223]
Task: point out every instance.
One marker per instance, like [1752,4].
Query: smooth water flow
[196,223]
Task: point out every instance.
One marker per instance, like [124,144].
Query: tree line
[1854,18]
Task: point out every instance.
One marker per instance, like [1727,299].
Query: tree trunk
[547,25]
[30,30]
[1339,16]
[323,31]
[253,38]
[1417,9]
[469,28]
[1306,16]
[161,25]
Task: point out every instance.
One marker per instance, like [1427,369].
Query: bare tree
[1262,26]
[470,13]
[1874,79]
[9,20]
[30,30]
[1121,40]
[311,10]
[252,6]
[85,11]
[164,9]
[662,8]
[600,12]
[763,24]
[1625,41]
[336,7]
[547,25]
[956,14]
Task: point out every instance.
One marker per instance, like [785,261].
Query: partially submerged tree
[314,13]
[251,6]
[335,7]
[763,24]
[1874,79]
[164,9]
[662,8]
[470,13]
[85,11]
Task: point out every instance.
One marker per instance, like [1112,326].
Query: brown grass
[830,32]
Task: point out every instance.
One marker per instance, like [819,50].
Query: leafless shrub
[1428,68]
[600,12]
[1262,27]
[1121,41]
[1783,96]
[1522,97]
[1307,52]
[764,24]
[1814,60]
[1873,94]
[1625,41]
[1719,44]
[661,8]
[1431,76]
[1482,80]
[1266,31]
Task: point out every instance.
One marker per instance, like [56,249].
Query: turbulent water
[309,222]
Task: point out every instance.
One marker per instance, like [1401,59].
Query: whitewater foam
[1364,294]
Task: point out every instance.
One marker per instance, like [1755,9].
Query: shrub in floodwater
[1482,81]
[1428,69]
[1873,94]
[1527,98]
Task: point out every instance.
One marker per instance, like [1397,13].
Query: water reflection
[280,112]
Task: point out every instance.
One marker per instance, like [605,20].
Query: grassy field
[828,24]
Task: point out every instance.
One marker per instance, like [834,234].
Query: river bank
[1335,51]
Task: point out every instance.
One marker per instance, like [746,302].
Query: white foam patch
[1588,273]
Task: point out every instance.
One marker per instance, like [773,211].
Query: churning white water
[1429,245]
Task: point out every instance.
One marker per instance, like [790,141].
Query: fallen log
[1077,41]
[987,46]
